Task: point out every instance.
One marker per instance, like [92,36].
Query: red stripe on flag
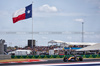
[20,17]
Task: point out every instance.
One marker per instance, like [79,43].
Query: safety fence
[51,56]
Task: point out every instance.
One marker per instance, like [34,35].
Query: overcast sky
[51,16]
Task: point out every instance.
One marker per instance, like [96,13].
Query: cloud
[44,38]
[94,2]
[50,14]
[47,8]
[70,38]
[4,14]
[97,2]
[49,11]
[79,20]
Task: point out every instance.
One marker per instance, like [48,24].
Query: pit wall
[51,56]
[3,57]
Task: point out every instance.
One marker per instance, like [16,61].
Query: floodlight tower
[82,31]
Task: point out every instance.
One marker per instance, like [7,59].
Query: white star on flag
[28,11]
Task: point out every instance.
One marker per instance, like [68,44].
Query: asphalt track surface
[51,61]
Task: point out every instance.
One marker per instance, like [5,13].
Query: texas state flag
[22,14]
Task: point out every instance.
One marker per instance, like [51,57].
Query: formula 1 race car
[73,58]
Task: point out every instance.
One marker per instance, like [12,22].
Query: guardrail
[51,56]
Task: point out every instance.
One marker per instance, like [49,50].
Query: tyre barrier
[51,56]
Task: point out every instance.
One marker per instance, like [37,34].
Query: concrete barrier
[2,57]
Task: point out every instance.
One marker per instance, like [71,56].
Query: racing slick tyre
[65,59]
[80,59]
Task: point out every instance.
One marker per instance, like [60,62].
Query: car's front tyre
[65,59]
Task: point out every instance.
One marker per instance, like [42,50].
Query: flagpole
[32,25]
